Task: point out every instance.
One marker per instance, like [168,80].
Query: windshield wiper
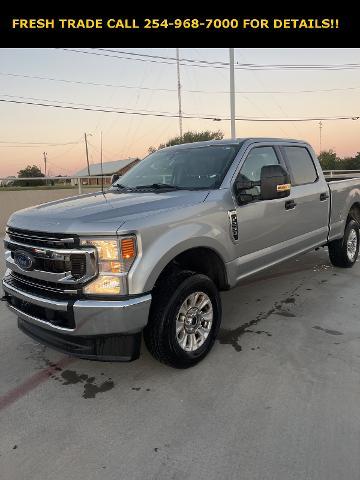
[158,186]
[121,187]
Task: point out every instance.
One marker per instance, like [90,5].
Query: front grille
[58,255]
[74,263]
[52,266]
[42,288]
[78,265]
[41,239]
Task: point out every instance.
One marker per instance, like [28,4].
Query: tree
[352,163]
[329,160]
[30,171]
[190,137]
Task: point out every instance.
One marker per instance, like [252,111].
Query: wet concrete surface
[278,397]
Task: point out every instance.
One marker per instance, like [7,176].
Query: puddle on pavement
[68,377]
[326,330]
[91,389]
[232,337]
[258,332]
[284,312]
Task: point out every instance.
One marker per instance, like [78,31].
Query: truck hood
[99,213]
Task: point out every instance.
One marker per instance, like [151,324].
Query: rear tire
[184,319]
[344,252]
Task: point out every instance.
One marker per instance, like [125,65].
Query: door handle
[324,196]
[290,204]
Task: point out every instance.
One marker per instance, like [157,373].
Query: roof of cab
[238,141]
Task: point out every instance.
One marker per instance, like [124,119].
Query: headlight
[107,249]
[115,257]
[104,284]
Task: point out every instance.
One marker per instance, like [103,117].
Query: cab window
[301,165]
[251,169]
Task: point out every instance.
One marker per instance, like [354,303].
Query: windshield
[184,168]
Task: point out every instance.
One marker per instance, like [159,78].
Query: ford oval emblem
[24,259]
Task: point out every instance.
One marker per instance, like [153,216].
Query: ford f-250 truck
[87,275]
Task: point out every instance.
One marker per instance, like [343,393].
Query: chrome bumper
[91,317]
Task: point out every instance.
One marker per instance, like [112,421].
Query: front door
[265,226]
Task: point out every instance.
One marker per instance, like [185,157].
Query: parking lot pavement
[277,398]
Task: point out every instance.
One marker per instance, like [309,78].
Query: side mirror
[242,183]
[241,186]
[114,178]
[274,182]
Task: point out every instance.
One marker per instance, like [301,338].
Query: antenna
[101,162]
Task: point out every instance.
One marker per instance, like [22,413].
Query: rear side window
[301,165]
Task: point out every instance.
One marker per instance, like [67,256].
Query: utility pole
[320,135]
[45,161]
[87,154]
[101,155]
[179,91]
[101,161]
[232,92]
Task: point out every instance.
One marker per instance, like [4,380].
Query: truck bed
[344,193]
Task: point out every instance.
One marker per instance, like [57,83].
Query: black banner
[237,26]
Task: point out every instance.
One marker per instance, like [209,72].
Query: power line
[214,118]
[206,64]
[209,92]
[22,146]
[52,144]
[80,82]
[103,109]
[79,104]
[173,59]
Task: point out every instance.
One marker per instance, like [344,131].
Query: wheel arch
[199,259]
[354,212]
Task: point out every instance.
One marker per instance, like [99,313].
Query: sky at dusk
[25,130]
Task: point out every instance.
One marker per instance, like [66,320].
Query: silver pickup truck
[88,275]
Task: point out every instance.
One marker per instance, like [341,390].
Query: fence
[342,173]
[54,182]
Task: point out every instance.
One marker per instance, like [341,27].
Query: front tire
[344,252]
[184,319]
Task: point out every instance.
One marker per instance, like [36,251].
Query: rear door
[310,193]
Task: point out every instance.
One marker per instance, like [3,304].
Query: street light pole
[232,92]
[45,161]
[87,154]
[179,91]
[320,135]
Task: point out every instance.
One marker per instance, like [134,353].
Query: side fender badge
[234,224]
